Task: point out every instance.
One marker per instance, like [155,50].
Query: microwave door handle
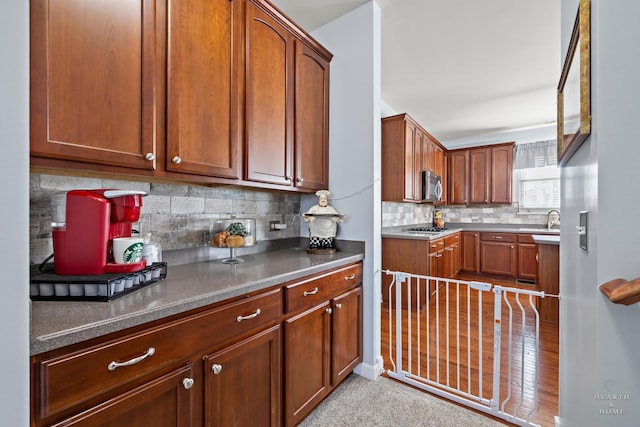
[439,190]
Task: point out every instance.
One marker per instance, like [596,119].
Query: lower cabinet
[165,401]
[244,375]
[213,367]
[470,251]
[527,254]
[549,281]
[323,338]
[498,253]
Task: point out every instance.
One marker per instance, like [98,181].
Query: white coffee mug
[127,250]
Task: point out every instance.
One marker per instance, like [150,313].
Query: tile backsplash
[178,216]
[410,213]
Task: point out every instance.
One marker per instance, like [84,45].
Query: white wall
[354,169]
[14,216]
[600,342]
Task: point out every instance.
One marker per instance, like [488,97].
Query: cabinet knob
[338,306]
[350,277]
[150,156]
[329,311]
[177,160]
[299,180]
[187,383]
[537,260]
[512,247]
[288,178]
[216,369]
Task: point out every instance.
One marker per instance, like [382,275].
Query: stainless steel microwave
[431,187]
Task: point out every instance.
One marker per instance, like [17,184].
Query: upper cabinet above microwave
[158,89]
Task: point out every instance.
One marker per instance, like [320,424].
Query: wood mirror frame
[574,88]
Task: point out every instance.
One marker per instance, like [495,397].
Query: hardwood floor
[453,350]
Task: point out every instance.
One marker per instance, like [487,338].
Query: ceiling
[465,69]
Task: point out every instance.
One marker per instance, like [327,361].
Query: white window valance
[535,154]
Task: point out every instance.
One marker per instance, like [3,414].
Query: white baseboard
[558,421]
[371,372]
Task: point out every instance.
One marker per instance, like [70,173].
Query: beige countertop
[55,324]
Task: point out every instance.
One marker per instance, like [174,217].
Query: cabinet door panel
[527,264]
[92,81]
[458,176]
[498,258]
[346,345]
[479,175]
[410,163]
[311,119]
[501,174]
[307,341]
[242,383]
[471,251]
[203,81]
[163,402]
[269,99]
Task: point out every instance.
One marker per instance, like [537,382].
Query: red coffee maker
[93,219]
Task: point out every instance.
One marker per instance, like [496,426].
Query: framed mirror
[574,88]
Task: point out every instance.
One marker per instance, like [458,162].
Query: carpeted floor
[385,402]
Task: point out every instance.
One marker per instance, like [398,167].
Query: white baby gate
[445,338]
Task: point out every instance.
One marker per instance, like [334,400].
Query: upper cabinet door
[93,81]
[479,175]
[311,119]
[269,99]
[458,177]
[501,173]
[204,74]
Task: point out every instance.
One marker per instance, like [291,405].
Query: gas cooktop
[426,229]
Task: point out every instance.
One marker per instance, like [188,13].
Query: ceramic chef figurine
[323,223]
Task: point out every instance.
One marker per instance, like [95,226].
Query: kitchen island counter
[56,324]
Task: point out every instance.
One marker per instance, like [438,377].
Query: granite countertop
[398,231]
[546,239]
[55,324]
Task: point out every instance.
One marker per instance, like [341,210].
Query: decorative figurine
[323,223]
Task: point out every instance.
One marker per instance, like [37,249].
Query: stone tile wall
[178,216]
[410,213]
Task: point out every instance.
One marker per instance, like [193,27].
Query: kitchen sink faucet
[553,218]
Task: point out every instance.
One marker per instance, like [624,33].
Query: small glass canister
[233,233]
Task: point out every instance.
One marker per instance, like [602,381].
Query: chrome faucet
[553,219]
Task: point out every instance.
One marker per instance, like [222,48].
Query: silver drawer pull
[216,369]
[187,383]
[338,306]
[350,277]
[497,237]
[250,316]
[115,365]
[313,292]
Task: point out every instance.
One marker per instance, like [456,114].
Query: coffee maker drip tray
[48,286]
